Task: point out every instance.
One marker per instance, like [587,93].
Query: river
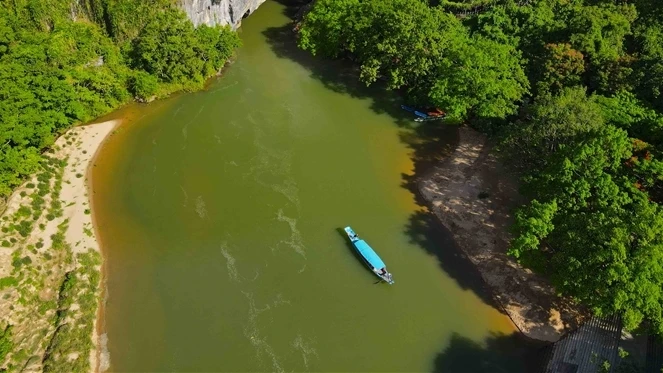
[219,215]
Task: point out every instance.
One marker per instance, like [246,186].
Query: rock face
[219,12]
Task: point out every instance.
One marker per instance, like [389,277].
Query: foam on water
[305,348]
[200,207]
[230,263]
[225,87]
[104,354]
[252,332]
[295,241]
[290,190]
[186,196]
[274,162]
[279,301]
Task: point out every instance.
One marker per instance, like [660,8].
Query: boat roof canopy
[370,255]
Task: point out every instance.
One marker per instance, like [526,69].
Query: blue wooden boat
[369,256]
[415,111]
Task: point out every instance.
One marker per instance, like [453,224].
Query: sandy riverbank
[51,260]
[480,228]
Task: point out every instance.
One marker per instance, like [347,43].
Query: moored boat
[429,118]
[369,256]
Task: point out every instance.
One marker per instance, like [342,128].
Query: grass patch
[55,209]
[6,282]
[80,287]
[6,343]
[24,228]
[88,232]
[23,212]
[19,262]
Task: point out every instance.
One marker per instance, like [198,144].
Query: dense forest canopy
[64,62]
[572,91]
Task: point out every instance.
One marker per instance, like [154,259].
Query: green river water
[219,213]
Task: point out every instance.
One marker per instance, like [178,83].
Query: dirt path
[480,228]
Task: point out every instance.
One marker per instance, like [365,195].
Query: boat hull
[369,256]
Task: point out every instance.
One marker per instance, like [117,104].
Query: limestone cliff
[219,12]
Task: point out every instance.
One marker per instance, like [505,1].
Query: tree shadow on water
[337,75]
[430,144]
[498,353]
[425,231]
[292,7]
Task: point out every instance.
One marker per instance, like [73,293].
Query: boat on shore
[435,114]
[369,256]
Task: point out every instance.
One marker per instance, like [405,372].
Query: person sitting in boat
[383,271]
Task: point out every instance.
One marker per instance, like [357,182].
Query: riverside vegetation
[572,92]
[63,63]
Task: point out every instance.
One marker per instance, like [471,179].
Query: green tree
[603,241]
[561,66]
[649,67]
[57,71]
[479,76]
[215,45]
[400,40]
[166,49]
[551,123]
[326,28]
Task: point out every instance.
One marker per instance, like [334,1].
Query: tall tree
[480,76]
[550,123]
[561,66]
[600,235]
